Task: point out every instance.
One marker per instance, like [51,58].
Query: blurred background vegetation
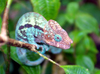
[80,18]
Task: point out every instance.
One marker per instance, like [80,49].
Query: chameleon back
[29,20]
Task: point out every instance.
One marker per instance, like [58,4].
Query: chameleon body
[34,29]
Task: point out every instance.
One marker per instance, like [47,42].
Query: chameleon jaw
[63,46]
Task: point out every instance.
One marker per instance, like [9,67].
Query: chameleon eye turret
[57,38]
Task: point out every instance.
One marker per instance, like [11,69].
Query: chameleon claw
[43,50]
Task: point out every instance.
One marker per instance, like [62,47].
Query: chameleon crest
[34,29]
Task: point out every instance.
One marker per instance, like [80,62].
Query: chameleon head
[58,37]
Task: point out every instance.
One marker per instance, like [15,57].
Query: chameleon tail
[21,52]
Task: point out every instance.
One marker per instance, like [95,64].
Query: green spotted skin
[34,29]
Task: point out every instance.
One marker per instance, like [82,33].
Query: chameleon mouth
[63,46]
[66,46]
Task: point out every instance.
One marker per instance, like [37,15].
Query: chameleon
[34,29]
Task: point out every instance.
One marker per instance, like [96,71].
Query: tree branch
[3,34]
[5,22]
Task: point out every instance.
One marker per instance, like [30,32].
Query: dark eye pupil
[57,37]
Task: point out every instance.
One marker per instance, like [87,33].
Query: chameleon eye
[57,38]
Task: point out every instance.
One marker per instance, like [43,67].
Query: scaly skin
[34,29]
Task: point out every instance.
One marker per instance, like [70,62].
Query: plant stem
[4,33]
[8,60]
[33,49]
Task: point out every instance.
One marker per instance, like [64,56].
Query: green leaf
[64,2]
[2,5]
[30,55]
[89,44]
[95,70]
[80,49]
[92,56]
[70,50]
[61,19]
[86,62]
[92,9]
[87,23]
[0,23]
[12,34]
[2,70]
[78,0]
[71,10]
[98,72]
[32,69]
[76,35]
[47,8]
[74,69]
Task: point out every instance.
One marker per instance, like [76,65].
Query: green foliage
[70,69]
[47,8]
[83,21]
[92,9]
[60,19]
[0,23]
[77,35]
[2,5]
[70,50]
[87,23]
[89,44]
[79,19]
[83,46]
[98,72]
[31,54]
[71,10]
[85,62]
[2,70]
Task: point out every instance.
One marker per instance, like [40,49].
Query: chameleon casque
[34,29]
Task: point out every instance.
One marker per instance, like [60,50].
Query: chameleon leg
[21,52]
[55,50]
[44,48]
